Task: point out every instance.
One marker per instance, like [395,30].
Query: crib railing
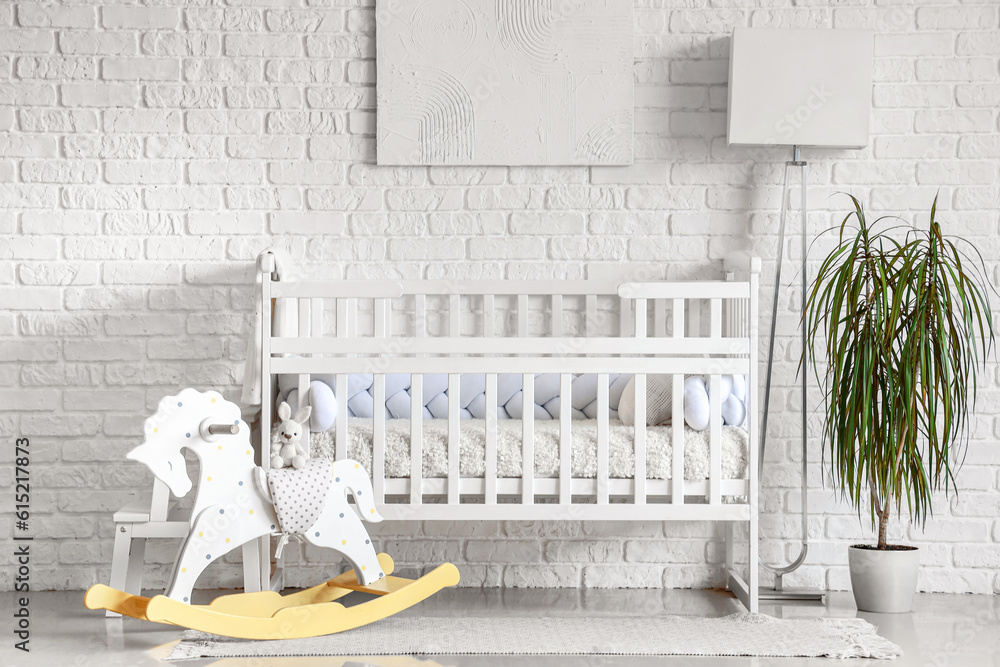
[382,328]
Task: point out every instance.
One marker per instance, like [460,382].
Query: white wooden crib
[490,327]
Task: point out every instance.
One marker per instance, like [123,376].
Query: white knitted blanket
[659,449]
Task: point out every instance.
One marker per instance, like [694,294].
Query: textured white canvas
[504,82]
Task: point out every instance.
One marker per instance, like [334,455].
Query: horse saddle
[299,496]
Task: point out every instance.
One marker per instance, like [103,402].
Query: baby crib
[570,327]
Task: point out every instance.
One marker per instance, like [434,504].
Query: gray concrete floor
[942,630]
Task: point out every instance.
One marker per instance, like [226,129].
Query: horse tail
[350,475]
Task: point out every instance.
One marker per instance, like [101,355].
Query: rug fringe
[865,642]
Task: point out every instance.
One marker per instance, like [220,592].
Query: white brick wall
[147,153]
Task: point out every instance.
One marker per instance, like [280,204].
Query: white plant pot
[883,581]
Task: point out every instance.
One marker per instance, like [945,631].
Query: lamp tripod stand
[779,592]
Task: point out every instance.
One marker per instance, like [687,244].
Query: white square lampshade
[800,87]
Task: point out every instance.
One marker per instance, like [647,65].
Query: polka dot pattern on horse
[299,496]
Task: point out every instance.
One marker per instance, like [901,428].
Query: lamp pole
[779,592]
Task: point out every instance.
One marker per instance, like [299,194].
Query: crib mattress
[472,458]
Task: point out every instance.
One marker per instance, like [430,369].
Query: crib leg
[729,547]
[753,566]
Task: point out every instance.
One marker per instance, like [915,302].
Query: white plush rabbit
[287,451]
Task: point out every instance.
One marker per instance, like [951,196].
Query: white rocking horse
[233,505]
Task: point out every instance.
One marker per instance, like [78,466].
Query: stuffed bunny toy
[287,451]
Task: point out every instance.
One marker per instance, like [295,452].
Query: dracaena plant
[898,323]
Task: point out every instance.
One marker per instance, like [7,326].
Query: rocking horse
[237,502]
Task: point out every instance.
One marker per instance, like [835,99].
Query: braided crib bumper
[361,399]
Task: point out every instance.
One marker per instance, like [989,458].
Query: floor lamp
[800,89]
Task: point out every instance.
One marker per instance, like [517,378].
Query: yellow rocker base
[269,615]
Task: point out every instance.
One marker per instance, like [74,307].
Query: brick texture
[149,150]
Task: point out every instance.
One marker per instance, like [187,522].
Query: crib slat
[416,439]
[565,438]
[602,439]
[267,406]
[677,429]
[640,439]
[678,318]
[716,318]
[488,315]
[454,314]
[528,439]
[381,314]
[522,315]
[316,308]
[491,439]
[419,315]
[454,433]
[590,326]
[342,417]
[417,407]
[378,439]
[382,328]
[640,411]
[454,406]
[694,317]
[257,566]
[624,313]
[753,323]
[715,440]
[316,318]
[729,310]
[715,407]
[659,318]
[641,324]
[557,306]
[305,331]
[346,311]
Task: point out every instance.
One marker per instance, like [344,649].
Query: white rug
[740,634]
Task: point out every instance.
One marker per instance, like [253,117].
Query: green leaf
[898,322]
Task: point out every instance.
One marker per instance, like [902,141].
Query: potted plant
[898,322]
